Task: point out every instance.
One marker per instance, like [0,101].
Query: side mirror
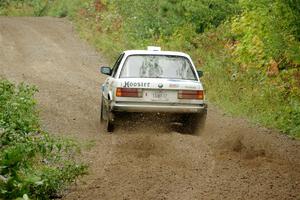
[106,70]
[200,73]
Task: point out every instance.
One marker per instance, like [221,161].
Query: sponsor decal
[135,84]
[174,80]
[173,85]
[190,87]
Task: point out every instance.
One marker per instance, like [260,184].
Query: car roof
[150,52]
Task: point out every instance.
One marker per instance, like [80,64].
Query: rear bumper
[157,107]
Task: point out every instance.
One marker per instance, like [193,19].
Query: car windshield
[158,66]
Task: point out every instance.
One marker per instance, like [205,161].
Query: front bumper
[157,107]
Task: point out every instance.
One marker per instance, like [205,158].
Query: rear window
[158,66]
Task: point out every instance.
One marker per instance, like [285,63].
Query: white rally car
[154,81]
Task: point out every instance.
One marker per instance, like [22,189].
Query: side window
[117,64]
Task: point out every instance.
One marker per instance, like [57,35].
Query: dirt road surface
[231,159]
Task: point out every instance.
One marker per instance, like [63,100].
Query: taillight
[129,92]
[191,94]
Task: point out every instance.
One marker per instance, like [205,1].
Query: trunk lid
[158,89]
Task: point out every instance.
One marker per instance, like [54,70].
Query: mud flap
[106,116]
[193,123]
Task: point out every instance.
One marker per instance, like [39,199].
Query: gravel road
[231,159]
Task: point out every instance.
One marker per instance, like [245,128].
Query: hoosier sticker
[135,84]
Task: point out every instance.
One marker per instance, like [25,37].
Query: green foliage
[160,18]
[247,91]
[117,25]
[55,8]
[24,7]
[32,163]
[17,106]
[267,39]
[268,30]
[65,8]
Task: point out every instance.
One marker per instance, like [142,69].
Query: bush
[248,90]
[32,163]
[268,33]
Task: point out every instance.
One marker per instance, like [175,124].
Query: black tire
[193,123]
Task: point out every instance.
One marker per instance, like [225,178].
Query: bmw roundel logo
[160,85]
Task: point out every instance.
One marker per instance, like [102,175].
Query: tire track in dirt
[142,159]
